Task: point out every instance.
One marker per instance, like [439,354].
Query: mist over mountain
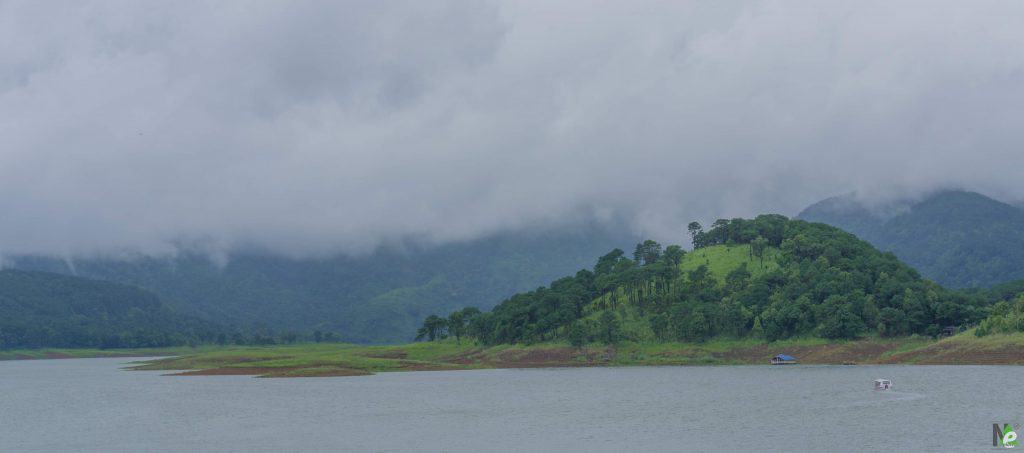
[270,164]
[379,297]
[957,238]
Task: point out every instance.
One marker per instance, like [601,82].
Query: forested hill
[958,239]
[39,309]
[770,277]
[375,298]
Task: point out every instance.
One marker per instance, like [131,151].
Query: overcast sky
[318,127]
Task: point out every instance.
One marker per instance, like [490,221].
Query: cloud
[321,127]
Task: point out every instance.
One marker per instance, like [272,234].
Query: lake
[93,405]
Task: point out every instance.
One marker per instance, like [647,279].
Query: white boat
[883,384]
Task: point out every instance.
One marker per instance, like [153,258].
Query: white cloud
[315,127]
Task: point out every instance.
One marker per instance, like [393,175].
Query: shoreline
[319,360]
[339,360]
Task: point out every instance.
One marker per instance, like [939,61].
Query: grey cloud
[318,127]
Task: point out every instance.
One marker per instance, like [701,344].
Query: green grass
[722,259]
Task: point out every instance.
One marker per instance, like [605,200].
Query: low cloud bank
[309,128]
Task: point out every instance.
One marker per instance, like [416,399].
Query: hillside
[722,259]
[39,309]
[814,281]
[375,298]
[958,239]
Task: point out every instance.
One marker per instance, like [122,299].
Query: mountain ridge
[41,309]
[957,238]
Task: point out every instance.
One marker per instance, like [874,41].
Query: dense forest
[770,277]
[40,309]
[958,239]
[379,297]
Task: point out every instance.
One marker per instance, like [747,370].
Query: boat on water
[883,384]
[783,359]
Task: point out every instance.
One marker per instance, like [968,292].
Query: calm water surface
[92,405]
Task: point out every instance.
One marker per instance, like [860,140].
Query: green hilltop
[768,278]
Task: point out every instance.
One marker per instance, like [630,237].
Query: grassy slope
[347,360]
[722,259]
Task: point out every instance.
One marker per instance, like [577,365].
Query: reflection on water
[91,405]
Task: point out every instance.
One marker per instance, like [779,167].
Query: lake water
[92,405]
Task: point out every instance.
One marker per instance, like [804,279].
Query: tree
[660,326]
[673,255]
[318,336]
[720,233]
[758,247]
[696,232]
[433,328]
[577,335]
[842,324]
[457,325]
[470,313]
[647,252]
[609,327]
[697,328]
[738,278]
[892,322]
[757,331]
[699,277]
[606,263]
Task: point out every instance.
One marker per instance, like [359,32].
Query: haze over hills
[44,309]
[375,298]
[957,238]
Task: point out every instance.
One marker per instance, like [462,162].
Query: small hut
[783,359]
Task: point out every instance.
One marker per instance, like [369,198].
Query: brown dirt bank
[954,354]
[826,354]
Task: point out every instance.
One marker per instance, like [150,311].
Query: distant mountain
[370,299]
[958,239]
[39,309]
